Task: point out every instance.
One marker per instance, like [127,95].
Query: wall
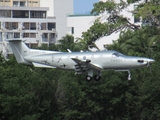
[62,9]
[50,4]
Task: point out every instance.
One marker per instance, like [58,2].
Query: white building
[37,21]
[81,23]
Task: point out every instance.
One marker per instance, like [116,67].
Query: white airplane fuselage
[80,62]
[103,59]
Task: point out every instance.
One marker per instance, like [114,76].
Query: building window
[72,30]
[26,26]
[32,35]
[25,35]
[32,26]
[8,25]
[11,25]
[20,14]
[15,3]
[45,37]
[16,35]
[14,25]
[8,13]
[51,26]
[9,35]
[38,14]
[43,26]
[43,15]
[52,37]
[29,35]
[1,37]
[22,4]
[5,13]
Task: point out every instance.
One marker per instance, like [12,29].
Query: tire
[97,77]
[88,78]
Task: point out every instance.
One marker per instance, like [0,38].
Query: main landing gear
[88,78]
[97,77]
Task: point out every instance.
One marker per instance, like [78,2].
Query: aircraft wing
[42,65]
[84,65]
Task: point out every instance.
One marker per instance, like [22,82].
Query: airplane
[80,62]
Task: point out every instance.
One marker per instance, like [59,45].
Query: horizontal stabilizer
[42,65]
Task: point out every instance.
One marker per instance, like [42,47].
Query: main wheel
[97,77]
[88,78]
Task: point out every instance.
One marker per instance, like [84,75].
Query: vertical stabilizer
[19,49]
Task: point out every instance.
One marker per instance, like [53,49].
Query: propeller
[149,62]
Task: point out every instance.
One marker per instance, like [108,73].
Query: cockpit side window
[117,54]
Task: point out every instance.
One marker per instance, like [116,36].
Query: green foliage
[142,42]
[66,42]
[26,93]
[109,21]
[149,12]
[101,7]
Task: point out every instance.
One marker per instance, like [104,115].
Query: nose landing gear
[129,75]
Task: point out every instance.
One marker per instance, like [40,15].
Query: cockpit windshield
[117,54]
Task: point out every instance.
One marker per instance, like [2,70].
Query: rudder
[19,49]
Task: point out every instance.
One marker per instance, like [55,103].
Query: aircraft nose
[151,60]
[146,60]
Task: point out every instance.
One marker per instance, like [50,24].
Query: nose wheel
[129,75]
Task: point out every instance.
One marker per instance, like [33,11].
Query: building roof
[24,8]
[80,15]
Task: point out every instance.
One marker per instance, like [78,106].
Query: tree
[109,21]
[26,92]
[141,42]
[67,42]
[149,11]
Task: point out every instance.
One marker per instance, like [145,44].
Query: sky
[83,6]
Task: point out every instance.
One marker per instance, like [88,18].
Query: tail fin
[19,49]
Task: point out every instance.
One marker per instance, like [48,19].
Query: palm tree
[143,41]
[67,42]
[84,44]
[120,44]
